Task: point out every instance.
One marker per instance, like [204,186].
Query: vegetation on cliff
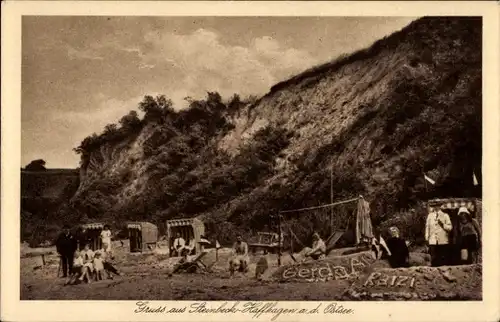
[419,111]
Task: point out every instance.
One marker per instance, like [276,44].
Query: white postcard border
[12,309]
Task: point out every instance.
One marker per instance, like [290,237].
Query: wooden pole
[425,184]
[331,198]
[279,237]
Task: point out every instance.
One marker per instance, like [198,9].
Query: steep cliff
[410,103]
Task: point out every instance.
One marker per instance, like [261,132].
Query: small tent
[358,228]
[354,228]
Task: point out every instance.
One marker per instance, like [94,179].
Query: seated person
[239,260]
[261,267]
[399,253]
[188,248]
[98,264]
[77,269]
[178,246]
[88,266]
[107,257]
[185,252]
[318,249]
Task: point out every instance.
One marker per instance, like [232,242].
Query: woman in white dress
[106,238]
[88,266]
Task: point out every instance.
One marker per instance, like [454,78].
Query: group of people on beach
[240,259]
[440,233]
[443,236]
[438,230]
[85,265]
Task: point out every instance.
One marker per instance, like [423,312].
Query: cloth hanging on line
[364,227]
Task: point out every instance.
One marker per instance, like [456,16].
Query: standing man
[437,228]
[66,245]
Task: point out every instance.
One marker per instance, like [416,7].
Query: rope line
[323,206]
[295,237]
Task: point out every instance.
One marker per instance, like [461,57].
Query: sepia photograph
[251,158]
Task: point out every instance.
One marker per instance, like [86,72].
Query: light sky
[81,73]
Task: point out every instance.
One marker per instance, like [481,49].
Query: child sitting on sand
[77,268]
[98,266]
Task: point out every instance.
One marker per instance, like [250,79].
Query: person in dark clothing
[400,255]
[66,245]
[470,237]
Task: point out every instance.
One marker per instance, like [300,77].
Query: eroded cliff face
[322,107]
[124,160]
[123,168]
[357,108]
[379,117]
